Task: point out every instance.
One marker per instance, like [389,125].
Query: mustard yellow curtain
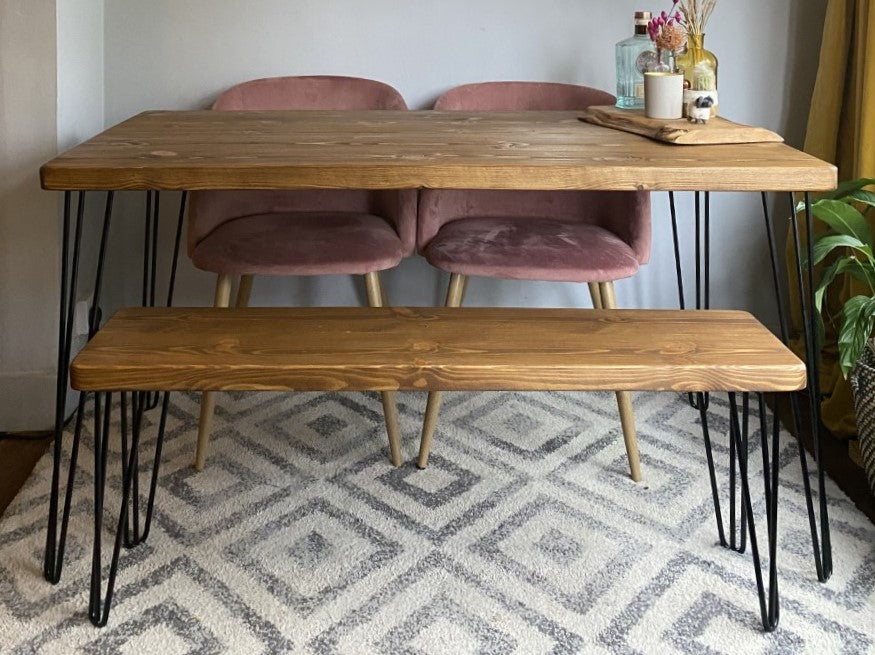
[841,129]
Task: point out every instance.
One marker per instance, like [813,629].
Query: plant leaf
[850,265]
[859,195]
[862,196]
[857,318]
[863,271]
[825,245]
[849,186]
[843,218]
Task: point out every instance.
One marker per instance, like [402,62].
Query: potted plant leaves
[844,212]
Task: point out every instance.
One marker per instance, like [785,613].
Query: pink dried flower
[672,38]
[665,30]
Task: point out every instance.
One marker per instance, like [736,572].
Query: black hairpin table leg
[702,261]
[71,247]
[136,532]
[150,259]
[820,539]
[70,252]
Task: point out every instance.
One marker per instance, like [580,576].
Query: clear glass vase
[662,61]
[699,67]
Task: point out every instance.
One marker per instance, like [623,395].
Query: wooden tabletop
[394,149]
[421,348]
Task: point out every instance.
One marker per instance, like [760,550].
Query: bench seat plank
[426,348]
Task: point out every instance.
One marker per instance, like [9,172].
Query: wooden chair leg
[377,298]
[455,295]
[244,291]
[624,398]
[595,293]
[208,399]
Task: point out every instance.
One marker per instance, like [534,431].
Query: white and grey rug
[525,535]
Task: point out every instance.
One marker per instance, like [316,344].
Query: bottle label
[646,61]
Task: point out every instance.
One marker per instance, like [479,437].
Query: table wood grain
[416,149]
[423,348]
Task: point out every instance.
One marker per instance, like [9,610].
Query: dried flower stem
[696,14]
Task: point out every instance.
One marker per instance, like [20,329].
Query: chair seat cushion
[300,243]
[531,249]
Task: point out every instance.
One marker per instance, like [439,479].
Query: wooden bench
[425,349]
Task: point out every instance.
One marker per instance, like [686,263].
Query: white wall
[51,97]
[80,71]
[80,107]
[170,54]
[28,216]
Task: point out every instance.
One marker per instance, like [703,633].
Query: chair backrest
[310,92]
[521,96]
[627,214]
[210,209]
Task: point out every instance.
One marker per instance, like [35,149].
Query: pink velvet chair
[573,236]
[319,232]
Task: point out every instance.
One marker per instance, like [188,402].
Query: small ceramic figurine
[699,110]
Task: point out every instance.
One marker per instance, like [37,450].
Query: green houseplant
[844,212]
[849,230]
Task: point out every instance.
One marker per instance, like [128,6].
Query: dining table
[157,151]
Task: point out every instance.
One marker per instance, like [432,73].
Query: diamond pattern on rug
[517,423]
[524,535]
[435,605]
[324,428]
[443,484]
[560,551]
[699,606]
[478,484]
[449,623]
[312,554]
[168,624]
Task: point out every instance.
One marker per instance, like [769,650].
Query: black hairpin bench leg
[737,538]
[99,604]
[136,533]
[768,599]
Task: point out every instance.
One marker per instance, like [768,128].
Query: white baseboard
[27,398]
[27,401]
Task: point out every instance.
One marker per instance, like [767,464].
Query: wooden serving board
[679,131]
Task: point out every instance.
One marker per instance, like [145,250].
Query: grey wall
[180,55]
[125,56]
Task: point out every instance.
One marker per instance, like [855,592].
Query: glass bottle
[699,67]
[633,55]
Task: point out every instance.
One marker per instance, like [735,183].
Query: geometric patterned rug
[525,535]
